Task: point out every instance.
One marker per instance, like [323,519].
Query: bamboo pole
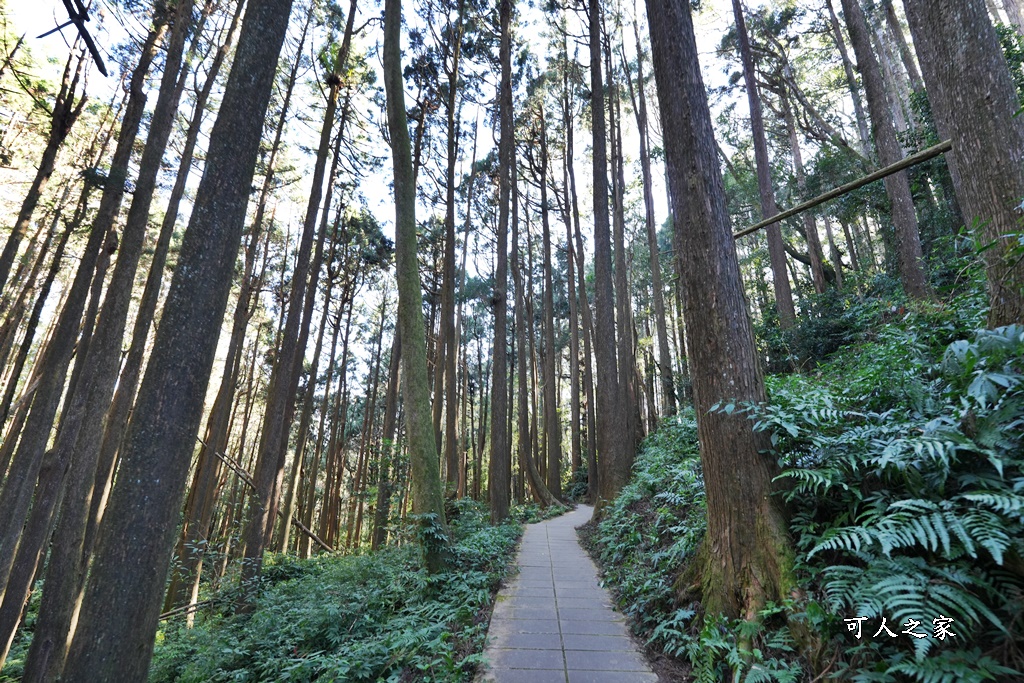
[912,160]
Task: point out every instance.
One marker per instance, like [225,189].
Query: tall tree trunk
[975,104]
[500,470]
[574,235]
[52,365]
[612,439]
[906,54]
[65,112]
[32,324]
[427,495]
[746,554]
[810,225]
[77,447]
[299,468]
[355,512]
[575,443]
[123,595]
[1013,11]
[665,372]
[624,346]
[776,250]
[897,186]
[834,253]
[385,481]
[263,505]
[552,421]
[851,79]
[541,489]
[448,350]
[128,382]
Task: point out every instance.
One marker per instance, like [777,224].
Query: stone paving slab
[553,623]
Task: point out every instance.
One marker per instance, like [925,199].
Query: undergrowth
[904,474]
[375,617]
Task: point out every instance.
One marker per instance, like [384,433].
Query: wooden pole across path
[912,160]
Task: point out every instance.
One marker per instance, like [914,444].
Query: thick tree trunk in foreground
[78,444]
[897,186]
[427,495]
[975,104]
[114,639]
[746,552]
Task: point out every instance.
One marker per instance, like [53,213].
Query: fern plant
[915,511]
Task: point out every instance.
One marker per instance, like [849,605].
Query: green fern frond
[1009,504]
[954,666]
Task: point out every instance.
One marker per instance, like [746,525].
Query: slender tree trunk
[385,482]
[625,349]
[448,350]
[541,489]
[1013,11]
[889,152]
[37,310]
[834,253]
[639,95]
[612,439]
[851,80]
[263,505]
[574,233]
[576,448]
[355,516]
[306,415]
[65,112]
[776,250]
[810,225]
[428,498]
[552,421]
[906,54]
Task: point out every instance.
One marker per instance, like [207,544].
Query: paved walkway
[553,623]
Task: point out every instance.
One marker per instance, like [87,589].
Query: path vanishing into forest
[553,622]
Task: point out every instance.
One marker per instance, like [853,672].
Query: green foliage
[902,462]
[579,482]
[907,498]
[1013,49]
[653,527]
[378,617]
[531,513]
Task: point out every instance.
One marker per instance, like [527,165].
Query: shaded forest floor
[903,470]
[371,617]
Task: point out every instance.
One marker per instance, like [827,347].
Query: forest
[307,307]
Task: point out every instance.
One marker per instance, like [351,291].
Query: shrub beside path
[553,622]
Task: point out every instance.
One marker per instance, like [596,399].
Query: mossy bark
[427,494]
